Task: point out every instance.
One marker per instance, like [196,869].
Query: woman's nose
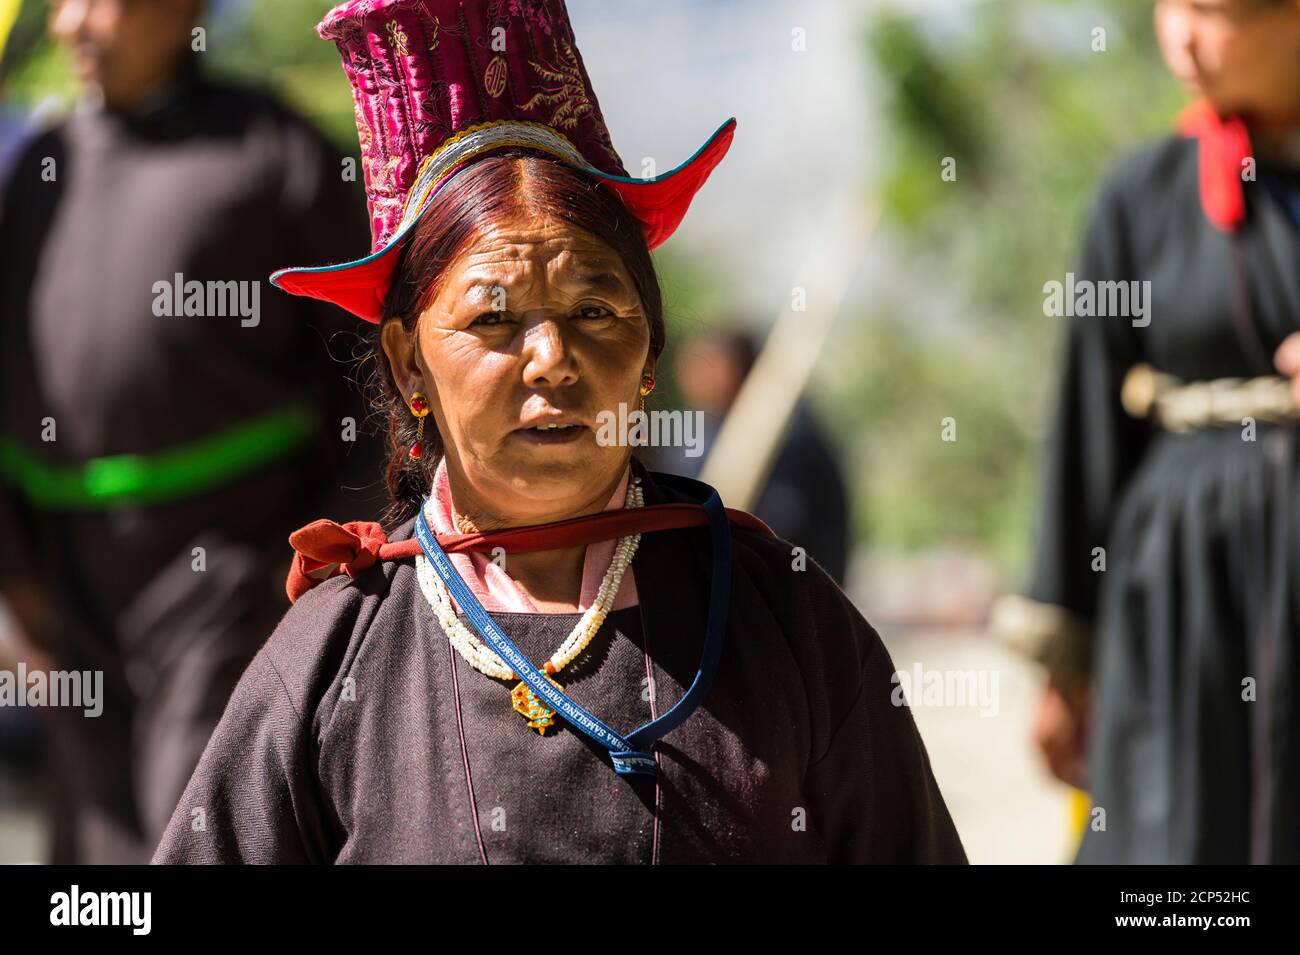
[549,361]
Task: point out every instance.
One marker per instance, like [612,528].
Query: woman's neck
[552,579]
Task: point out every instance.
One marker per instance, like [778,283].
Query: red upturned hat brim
[361,286]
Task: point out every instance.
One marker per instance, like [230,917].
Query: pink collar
[494,588]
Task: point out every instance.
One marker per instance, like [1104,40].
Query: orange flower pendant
[525,702]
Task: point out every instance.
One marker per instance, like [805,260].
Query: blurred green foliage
[1015,93]
[275,43]
[33,69]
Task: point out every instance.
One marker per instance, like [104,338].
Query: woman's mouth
[552,433]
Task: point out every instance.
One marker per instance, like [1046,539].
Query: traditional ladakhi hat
[439,84]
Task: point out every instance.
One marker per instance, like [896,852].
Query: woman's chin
[545,479]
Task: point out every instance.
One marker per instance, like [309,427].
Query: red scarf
[1224,147]
[324,549]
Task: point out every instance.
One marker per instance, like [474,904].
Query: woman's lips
[564,434]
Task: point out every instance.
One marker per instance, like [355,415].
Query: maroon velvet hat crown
[438,84]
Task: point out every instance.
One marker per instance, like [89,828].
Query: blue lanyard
[627,754]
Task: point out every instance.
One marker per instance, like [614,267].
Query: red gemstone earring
[647,386]
[419,406]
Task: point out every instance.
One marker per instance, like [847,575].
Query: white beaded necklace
[484,659]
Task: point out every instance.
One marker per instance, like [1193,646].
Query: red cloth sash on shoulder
[1224,147]
[324,548]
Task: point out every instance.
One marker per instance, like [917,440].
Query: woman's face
[1242,55]
[536,323]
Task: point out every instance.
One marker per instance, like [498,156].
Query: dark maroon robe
[358,734]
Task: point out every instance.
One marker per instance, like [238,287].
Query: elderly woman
[395,715]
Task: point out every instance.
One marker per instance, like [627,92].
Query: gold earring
[647,386]
[419,406]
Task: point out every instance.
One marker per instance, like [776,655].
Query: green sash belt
[161,476]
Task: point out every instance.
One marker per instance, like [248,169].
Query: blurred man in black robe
[804,497]
[164,422]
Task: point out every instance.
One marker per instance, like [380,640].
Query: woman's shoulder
[784,565]
[823,626]
[837,653]
[326,628]
[784,576]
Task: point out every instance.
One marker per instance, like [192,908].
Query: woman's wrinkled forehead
[534,256]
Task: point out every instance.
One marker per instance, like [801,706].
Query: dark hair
[485,192]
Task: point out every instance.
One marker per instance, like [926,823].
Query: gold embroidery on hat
[494,77]
[397,37]
[568,103]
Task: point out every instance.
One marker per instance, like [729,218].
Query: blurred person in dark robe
[804,498]
[1165,600]
[163,425]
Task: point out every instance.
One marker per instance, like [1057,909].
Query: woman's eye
[594,312]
